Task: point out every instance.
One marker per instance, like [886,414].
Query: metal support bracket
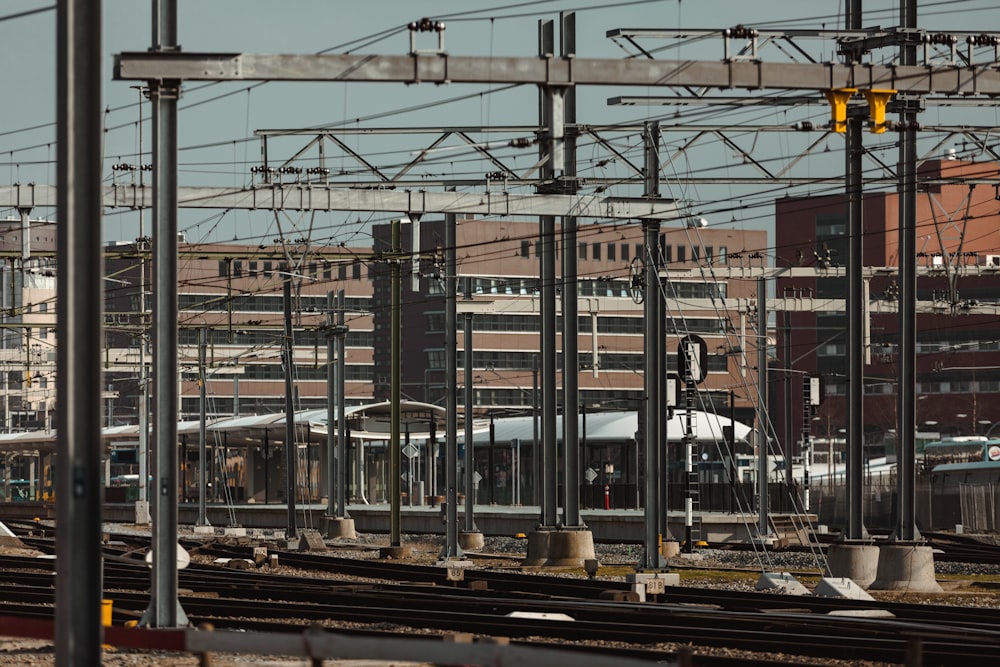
[838,98]
[878,100]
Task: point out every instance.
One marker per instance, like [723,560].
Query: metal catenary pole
[80,314]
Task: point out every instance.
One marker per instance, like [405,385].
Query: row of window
[945,387]
[272,372]
[598,288]
[525,361]
[263,303]
[234,268]
[622,252]
[263,338]
[926,347]
[605,324]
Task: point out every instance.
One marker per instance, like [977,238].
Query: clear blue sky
[214,127]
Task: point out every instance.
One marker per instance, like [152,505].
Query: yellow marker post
[106,609]
[838,98]
[877,102]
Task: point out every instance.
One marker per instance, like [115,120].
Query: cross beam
[319,197]
[555,71]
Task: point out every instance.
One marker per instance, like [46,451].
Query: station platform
[491,520]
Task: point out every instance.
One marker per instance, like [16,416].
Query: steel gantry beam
[310,197]
[440,68]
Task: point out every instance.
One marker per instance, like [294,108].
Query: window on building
[695,253]
[611,252]
[624,249]
[267,268]
[342,272]
[595,250]
[638,250]
[356,270]
[435,359]
[252,269]
[223,268]
[583,251]
[681,253]
[434,322]
[830,225]
[237,269]
[525,248]
[723,254]
[668,255]
[708,254]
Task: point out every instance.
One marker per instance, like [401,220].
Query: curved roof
[371,422]
[616,427]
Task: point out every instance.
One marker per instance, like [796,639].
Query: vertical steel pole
[469,460]
[762,430]
[536,474]
[570,342]
[654,436]
[652,557]
[906,527]
[334,464]
[80,316]
[341,351]
[291,453]
[166,611]
[856,312]
[663,412]
[395,537]
[550,148]
[451,548]
[202,435]
[788,439]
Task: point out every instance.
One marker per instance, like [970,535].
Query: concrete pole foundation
[857,562]
[538,548]
[570,548]
[395,552]
[471,540]
[337,527]
[906,567]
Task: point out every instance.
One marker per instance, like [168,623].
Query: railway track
[352,592]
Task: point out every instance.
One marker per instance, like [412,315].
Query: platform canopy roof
[618,427]
[369,422]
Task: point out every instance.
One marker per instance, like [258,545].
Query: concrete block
[339,528]
[840,587]
[395,553]
[906,567]
[203,530]
[570,548]
[538,548]
[234,531]
[622,596]
[857,562]
[142,517]
[471,540]
[784,581]
[311,540]
[651,583]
